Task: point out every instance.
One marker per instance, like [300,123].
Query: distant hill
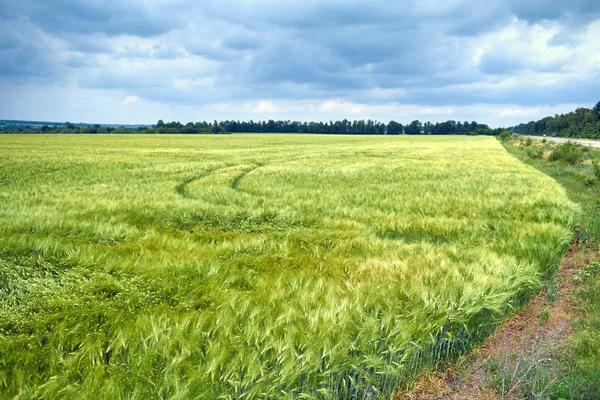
[36,124]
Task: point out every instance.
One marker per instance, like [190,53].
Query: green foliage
[414,128]
[552,290]
[568,152]
[591,270]
[260,266]
[343,127]
[582,123]
[535,152]
[394,128]
[505,135]
[596,169]
[583,355]
[543,316]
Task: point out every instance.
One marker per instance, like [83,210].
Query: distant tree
[270,126]
[394,128]
[596,109]
[217,129]
[427,128]
[414,128]
[581,118]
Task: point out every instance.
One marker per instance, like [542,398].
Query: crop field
[254,266]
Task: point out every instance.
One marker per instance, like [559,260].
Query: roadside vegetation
[261,266]
[576,372]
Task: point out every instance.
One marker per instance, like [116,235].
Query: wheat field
[260,266]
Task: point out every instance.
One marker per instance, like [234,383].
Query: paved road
[583,142]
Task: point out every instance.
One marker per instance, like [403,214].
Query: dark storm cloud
[242,40]
[425,52]
[112,17]
[575,11]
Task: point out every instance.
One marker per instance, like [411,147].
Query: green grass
[260,265]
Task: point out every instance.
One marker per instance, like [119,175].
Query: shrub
[569,152]
[589,181]
[505,135]
[596,167]
[535,152]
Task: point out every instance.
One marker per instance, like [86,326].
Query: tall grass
[259,266]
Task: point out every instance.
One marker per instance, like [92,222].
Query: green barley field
[260,266]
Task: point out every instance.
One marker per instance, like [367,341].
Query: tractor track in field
[235,182]
[181,189]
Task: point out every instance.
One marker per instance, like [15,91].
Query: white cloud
[521,113]
[130,100]
[340,107]
[265,107]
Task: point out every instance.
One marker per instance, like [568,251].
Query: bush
[528,142]
[569,152]
[505,135]
[596,167]
[535,152]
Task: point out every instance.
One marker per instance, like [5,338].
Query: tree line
[361,127]
[343,127]
[581,123]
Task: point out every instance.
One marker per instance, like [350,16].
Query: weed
[596,169]
[552,291]
[590,271]
[526,374]
[543,316]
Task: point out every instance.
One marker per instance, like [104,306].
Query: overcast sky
[499,62]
